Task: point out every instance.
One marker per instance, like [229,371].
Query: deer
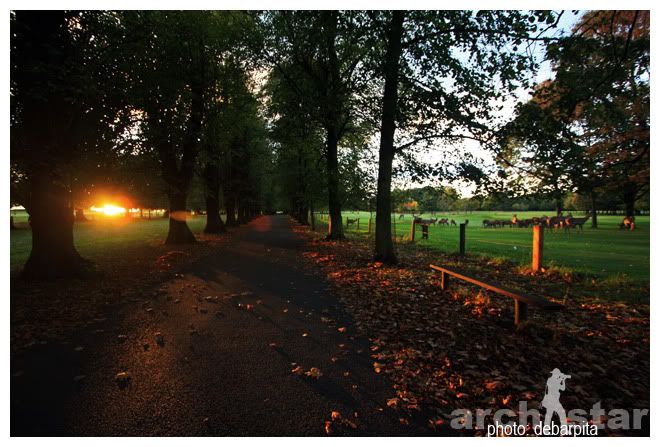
[350,221]
[426,221]
[443,221]
[453,223]
[525,223]
[628,222]
[573,222]
[555,222]
[487,223]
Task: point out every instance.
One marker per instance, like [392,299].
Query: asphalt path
[222,348]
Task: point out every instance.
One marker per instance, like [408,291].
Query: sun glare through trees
[111,210]
[330,222]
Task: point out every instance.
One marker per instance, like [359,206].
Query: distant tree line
[445,198]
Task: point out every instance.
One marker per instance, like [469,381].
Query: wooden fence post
[412,230]
[358,224]
[461,239]
[369,232]
[537,248]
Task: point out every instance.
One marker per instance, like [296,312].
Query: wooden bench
[522,300]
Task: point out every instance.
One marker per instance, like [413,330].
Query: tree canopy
[253,112]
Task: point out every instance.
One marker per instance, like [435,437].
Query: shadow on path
[234,326]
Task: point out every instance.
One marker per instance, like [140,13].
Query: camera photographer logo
[526,421]
[554,386]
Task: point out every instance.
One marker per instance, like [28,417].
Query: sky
[568,19]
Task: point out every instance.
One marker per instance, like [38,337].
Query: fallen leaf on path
[314,373]
[122,379]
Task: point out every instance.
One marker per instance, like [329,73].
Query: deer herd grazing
[444,221]
[560,222]
[555,222]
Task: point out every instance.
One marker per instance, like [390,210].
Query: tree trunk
[303,214]
[333,118]
[214,224]
[336,230]
[242,216]
[311,216]
[300,202]
[53,252]
[230,207]
[384,246]
[179,232]
[178,168]
[49,114]
[559,204]
[629,196]
[594,212]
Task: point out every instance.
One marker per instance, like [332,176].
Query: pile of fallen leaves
[459,349]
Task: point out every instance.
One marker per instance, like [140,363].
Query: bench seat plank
[531,299]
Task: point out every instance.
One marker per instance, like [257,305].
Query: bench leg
[520,312]
[444,281]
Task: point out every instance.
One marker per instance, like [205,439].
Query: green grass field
[100,236]
[604,252]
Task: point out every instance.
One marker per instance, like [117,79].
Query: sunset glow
[109,210]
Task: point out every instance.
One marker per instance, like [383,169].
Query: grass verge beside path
[606,253]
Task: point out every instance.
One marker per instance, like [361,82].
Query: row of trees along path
[256,107]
